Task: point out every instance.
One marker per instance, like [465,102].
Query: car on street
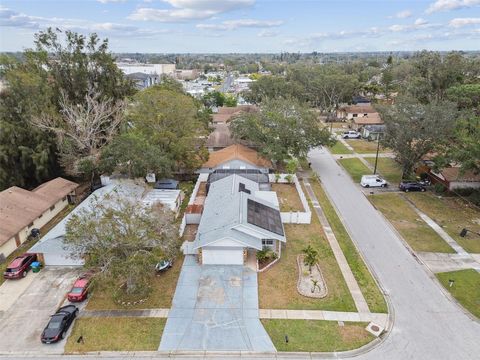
[19,267]
[79,291]
[59,324]
[411,186]
[351,134]
[373,181]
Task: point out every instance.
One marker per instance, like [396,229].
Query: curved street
[427,324]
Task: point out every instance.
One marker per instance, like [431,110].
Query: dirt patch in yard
[288,197]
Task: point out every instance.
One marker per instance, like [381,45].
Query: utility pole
[376,156]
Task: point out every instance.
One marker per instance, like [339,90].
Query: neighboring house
[225,114]
[186,74]
[237,219]
[369,119]
[236,156]
[143,81]
[22,210]
[52,250]
[453,179]
[353,111]
[372,132]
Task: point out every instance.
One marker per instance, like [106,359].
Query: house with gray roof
[238,218]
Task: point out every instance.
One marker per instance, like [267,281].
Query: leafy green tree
[282,129]
[269,87]
[213,99]
[467,96]
[414,129]
[27,154]
[230,100]
[123,240]
[466,147]
[310,257]
[170,121]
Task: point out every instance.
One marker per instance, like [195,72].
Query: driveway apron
[215,308]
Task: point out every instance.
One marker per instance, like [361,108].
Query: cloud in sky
[188,10]
[418,24]
[402,14]
[267,33]
[241,23]
[461,22]
[446,5]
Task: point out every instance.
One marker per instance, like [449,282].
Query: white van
[373,181]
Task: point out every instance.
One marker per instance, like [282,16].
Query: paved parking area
[215,308]
[22,324]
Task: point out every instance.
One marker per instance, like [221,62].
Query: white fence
[293,217]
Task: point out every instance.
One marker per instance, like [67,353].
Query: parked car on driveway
[79,291]
[373,181]
[19,267]
[59,323]
[411,186]
[351,134]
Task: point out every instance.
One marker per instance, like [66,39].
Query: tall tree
[283,128]
[465,149]
[123,240]
[27,154]
[414,129]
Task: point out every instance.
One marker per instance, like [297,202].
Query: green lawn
[355,168]
[339,148]
[388,168]
[365,147]
[466,288]
[277,286]
[116,334]
[413,229]
[370,290]
[316,335]
[452,214]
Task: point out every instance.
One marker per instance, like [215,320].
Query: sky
[247,26]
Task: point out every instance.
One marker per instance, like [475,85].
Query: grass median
[365,147]
[115,334]
[339,148]
[466,288]
[371,292]
[316,335]
[413,229]
[355,168]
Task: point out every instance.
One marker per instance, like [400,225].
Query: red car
[79,291]
[19,267]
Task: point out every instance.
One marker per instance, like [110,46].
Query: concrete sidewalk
[378,318]
[358,298]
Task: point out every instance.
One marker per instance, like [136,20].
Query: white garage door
[60,260]
[222,256]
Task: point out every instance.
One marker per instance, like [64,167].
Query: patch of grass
[316,335]
[371,292]
[340,148]
[388,168]
[452,214]
[365,147]
[23,248]
[466,288]
[288,197]
[163,289]
[277,287]
[355,168]
[413,229]
[116,334]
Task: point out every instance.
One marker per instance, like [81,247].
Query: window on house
[267,242]
[30,225]
[40,216]
[355,115]
[52,207]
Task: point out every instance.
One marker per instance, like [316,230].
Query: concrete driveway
[215,308]
[23,322]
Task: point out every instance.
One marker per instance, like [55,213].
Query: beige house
[23,210]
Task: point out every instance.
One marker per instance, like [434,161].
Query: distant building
[146,75]
[143,81]
[190,74]
[23,210]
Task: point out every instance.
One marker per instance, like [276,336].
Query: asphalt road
[427,324]
[227,82]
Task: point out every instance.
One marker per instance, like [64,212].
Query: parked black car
[411,186]
[59,323]
[166,184]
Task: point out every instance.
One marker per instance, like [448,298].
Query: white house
[237,218]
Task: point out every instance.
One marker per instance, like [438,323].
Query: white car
[373,181]
[351,134]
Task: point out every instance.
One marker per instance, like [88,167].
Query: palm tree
[310,258]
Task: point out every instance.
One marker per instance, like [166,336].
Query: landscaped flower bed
[310,281]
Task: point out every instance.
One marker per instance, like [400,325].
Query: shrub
[277,177]
[440,188]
